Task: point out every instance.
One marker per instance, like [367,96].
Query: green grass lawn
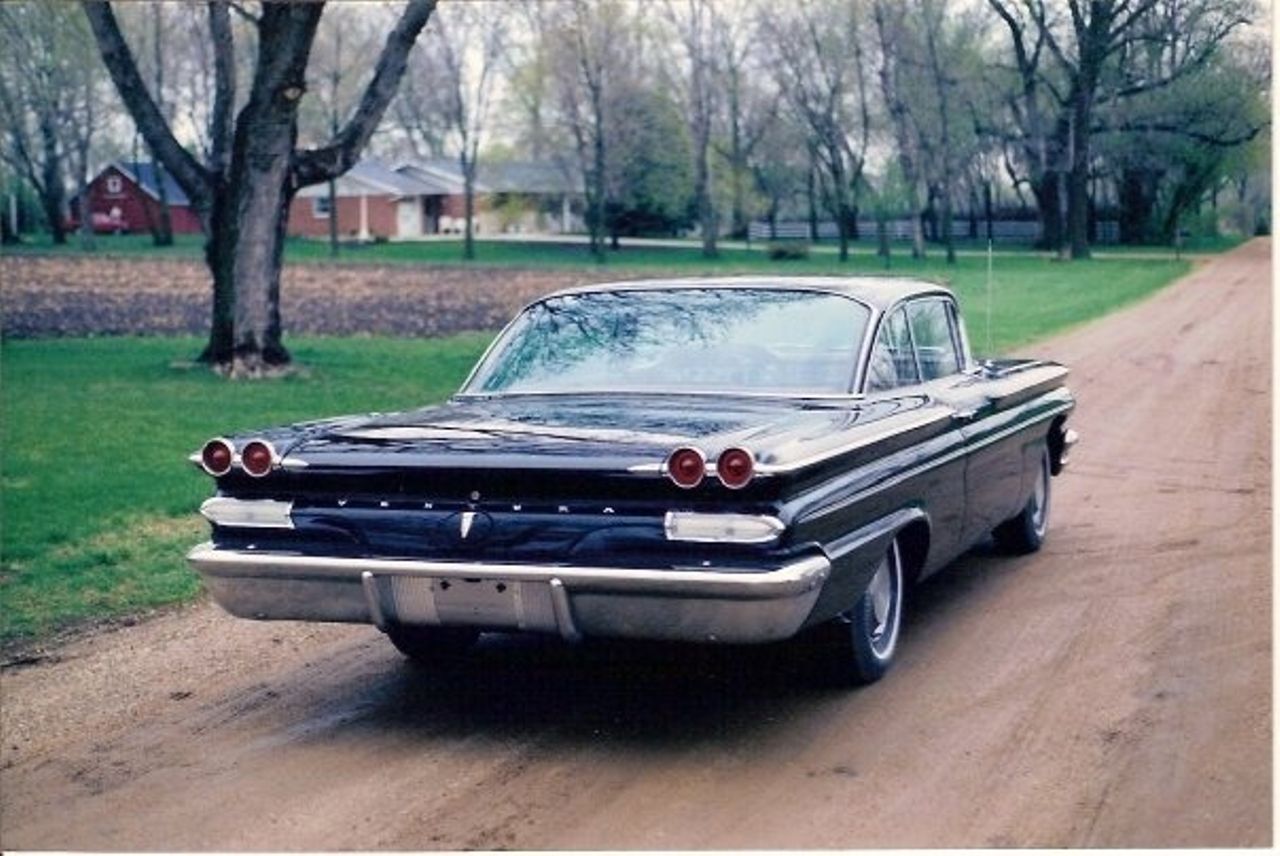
[97,501]
[545,254]
[97,497]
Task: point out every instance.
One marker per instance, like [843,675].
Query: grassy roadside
[96,500]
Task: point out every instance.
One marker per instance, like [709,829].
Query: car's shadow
[513,686]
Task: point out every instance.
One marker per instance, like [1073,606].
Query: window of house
[320,207]
[114,184]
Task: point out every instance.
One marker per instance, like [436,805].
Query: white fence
[1002,231]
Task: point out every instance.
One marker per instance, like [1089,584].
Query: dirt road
[1114,690]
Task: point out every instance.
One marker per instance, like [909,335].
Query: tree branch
[221,131]
[316,165]
[1180,129]
[117,57]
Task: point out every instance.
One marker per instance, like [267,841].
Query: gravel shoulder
[1112,691]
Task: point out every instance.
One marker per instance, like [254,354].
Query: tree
[891,31]
[468,43]
[588,46]
[822,70]
[242,192]
[750,106]
[48,101]
[695,28]
[651,166]
[1085,42]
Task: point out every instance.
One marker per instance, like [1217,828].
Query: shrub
[789,251]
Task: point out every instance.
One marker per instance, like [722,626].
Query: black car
[726,460]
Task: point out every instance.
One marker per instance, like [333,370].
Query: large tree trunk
[1048,207]
[1078,180]
[52,195]
[219,254]
[260,183]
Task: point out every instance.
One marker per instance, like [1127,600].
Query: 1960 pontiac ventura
[732,460]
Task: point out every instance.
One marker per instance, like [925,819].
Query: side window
[934,340]
[893,361]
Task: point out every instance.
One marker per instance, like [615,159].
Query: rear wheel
[432,646]
[1026,532]
[858,646]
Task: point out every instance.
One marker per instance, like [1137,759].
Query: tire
[1025,532]
[858,646]
[432,646]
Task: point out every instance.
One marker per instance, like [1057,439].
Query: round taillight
[735,467]
[216,457]
[686,467]
[257,457]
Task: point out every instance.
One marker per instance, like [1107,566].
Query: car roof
[878,292]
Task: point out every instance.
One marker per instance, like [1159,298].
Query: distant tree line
[674,115]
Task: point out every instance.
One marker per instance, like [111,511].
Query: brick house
[129,191]
[373,201]
[423,198]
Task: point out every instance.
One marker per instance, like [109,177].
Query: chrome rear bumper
[688,604]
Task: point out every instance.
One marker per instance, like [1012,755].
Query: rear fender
[854,558]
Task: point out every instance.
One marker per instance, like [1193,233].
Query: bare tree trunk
[1078,185]
[469,205]
[944,114]
[811,195]
[52,195]
[162,236]
[702,192]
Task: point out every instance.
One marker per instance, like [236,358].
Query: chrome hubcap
[1040,498]
[885,591]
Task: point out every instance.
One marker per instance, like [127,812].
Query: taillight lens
[257,457]
[735,467]
[686,467]
[216,457]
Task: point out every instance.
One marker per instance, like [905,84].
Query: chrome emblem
[468,517]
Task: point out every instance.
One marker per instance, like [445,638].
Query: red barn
[128,191]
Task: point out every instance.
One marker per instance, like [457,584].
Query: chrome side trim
[795,578]
[288,462]
[919,469]
[852,446]
[563,611]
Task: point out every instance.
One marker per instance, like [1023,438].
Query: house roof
[527,177]
[372,177]
[442,176]
[540,177]
[145,175]
[379,175]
